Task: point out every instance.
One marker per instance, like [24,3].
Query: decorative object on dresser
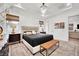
[13,26]
[14,38]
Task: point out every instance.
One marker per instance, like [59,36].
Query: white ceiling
[34,8]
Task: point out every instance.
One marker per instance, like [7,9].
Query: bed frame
[35,49]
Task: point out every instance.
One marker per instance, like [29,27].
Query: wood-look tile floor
[19,49]
[70,48]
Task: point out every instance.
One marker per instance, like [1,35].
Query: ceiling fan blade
[19,6]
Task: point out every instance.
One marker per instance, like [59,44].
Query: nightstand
[43,32]
[13,38]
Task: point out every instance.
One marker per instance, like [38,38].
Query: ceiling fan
[65,6]
[43,9]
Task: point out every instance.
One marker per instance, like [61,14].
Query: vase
[13,31]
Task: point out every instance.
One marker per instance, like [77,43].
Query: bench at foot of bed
[46,46]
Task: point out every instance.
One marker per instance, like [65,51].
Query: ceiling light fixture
[43,9]
[68,4]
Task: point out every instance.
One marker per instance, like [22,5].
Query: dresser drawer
[14,37]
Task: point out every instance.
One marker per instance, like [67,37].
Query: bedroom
[29,18]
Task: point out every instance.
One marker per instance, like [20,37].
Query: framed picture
[71,26]
[62,25]
[56,25]
[59,25]
[41,23]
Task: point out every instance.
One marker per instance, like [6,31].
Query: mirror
[1,30]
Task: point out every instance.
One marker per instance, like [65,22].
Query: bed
[33,41]
[37,39]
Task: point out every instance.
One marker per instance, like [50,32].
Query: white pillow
[33,32]
[28,32]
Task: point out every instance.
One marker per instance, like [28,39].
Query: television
[77,26]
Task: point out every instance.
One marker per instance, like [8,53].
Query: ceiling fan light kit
[43,9]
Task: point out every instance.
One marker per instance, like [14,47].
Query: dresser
[13,38]
[74,35]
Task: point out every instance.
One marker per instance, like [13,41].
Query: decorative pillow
[34,32]
[28,32]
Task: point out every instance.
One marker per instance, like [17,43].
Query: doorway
[73,28]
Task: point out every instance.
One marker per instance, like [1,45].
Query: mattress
[37,39]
